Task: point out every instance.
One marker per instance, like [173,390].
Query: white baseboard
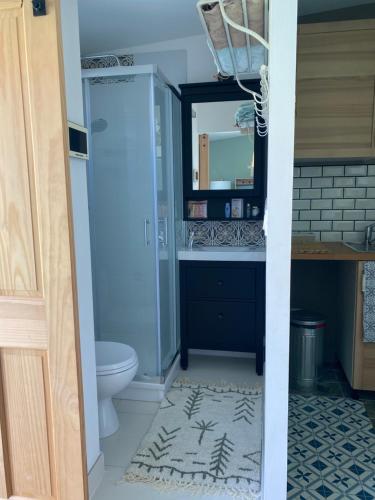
[142,391]
[226,354]
[96,474]
[148,391]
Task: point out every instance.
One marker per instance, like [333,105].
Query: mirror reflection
[223,145]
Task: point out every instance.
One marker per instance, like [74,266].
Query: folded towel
[369,303]
[242,61]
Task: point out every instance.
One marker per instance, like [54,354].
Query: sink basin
[360,247]
[229,249]
[216,253]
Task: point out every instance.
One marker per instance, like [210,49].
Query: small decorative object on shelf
[227,210]
[237,208]
[248,211]
[197,209]
[255,211]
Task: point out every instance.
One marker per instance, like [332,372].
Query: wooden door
[204,162]
[41,417]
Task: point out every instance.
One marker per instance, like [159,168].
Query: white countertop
[240,254]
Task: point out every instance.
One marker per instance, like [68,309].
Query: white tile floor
[136,417]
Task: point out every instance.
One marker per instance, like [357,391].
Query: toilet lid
[113,356]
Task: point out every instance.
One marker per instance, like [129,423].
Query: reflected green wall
[230,158]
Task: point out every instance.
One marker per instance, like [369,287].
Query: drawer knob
[220,316]
[220,283]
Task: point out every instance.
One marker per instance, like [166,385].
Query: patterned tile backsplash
[334,202]
[108,61]
[226,233]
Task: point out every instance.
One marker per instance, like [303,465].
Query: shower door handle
[146,228]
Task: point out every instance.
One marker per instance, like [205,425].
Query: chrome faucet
[191,240]
[369,234]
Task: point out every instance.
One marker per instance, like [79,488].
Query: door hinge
[363,282]
[39,8]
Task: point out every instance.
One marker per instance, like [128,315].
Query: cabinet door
[335,90]
[336,50]
[221,325]
[221,282]
[335,117]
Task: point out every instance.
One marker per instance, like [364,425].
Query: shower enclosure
[134,170]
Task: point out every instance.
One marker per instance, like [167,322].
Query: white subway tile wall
[334,202]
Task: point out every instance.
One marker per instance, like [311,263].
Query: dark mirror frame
[227,90]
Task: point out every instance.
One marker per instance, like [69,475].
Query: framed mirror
[223,156]
[223,145]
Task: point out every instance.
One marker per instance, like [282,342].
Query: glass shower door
[165,221]
[122,214]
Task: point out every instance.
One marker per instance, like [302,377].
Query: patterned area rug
[205,439]
[331,449]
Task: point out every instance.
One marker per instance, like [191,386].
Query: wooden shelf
[328,251]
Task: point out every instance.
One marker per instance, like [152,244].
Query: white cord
[238,27]
[260,100]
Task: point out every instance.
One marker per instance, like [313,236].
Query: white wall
[282,65]
[199,61]
[72,67]
[217,116]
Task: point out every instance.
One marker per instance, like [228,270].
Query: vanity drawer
[221,282]
[221,325]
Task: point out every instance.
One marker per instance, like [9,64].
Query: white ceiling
[113,24]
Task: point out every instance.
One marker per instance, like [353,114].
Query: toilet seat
[113,357]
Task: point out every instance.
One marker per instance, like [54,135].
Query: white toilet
[116,366]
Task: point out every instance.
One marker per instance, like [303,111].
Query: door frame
[282,70]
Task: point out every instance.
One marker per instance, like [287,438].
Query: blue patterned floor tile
[331,449]
[298,452]
[302,476]
[363,493]
[297,433]
[350,448]
[329,435]
[341,481]
[325,491]
[335,457]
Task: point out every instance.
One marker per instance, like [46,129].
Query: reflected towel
[245,115]
[369,303]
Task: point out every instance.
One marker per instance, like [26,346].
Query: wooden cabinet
[222,307]
[335,103]
[356,357]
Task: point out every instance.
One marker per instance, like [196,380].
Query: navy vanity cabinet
[222,308]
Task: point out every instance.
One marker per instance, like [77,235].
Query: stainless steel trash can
[306,348]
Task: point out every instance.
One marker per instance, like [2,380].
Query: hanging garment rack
[242,28]
[249,70]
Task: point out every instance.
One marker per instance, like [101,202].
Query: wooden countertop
[327,251]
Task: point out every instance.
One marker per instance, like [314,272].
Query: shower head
[99,125]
